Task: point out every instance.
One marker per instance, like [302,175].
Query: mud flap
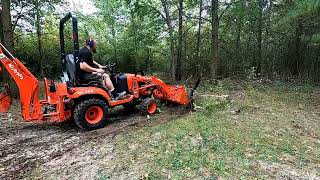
[5,99]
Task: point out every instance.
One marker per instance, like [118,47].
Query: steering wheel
[110,67]
[137,72]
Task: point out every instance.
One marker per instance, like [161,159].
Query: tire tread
[79,113]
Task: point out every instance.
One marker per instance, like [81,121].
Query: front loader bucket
[5,100]
[181,95]
[174,94]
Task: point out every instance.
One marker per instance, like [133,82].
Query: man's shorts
[93,77]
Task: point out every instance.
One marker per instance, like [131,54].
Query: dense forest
[255,114]
[177,39]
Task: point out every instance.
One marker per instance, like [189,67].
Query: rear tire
[91,114]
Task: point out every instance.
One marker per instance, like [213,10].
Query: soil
[35,150]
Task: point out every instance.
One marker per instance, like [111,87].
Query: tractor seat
[70,74]
[71,67]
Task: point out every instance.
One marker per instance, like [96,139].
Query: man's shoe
[116,96]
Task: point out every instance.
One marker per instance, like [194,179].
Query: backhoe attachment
[5,99]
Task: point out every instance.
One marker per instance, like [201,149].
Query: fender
[77,92]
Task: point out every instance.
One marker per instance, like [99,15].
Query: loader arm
[26,82]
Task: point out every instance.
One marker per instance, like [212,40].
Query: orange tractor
[85,102]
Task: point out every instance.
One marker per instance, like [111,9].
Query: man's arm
[84,66]
[97,64]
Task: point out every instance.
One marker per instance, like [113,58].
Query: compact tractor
[87,103]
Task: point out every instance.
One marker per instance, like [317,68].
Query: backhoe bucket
[5,99]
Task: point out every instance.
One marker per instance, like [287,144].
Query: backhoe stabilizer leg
[5,99]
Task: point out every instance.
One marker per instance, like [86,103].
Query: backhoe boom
[26,82]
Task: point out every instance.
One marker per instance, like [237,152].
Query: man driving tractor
[84,102]
[90,70]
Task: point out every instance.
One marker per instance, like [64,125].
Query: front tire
[91,114]
[149,106]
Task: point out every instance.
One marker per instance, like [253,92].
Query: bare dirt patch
[30,150]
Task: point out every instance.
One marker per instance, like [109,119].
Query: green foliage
[27,51]
[304,8]
[134,34]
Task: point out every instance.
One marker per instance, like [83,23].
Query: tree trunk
[297,46]
[172,41]
[214,39]
[267,56]
[179,56]
[1,39]
[251,50]
[136,63]
[148,61]
[238,45]
[8,43]
[113,31]
[198,53]
[7,26]
[238,58]
[39,36]
[185,50]
[259,38]
[1,28]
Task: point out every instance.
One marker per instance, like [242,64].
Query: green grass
[277,128]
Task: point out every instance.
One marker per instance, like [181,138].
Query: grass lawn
[275,135]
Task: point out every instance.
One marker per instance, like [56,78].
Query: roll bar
[75,38]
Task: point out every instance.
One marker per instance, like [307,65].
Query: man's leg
[107,81]
[103,78]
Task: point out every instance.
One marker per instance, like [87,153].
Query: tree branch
[224,11]
[20,15]
[197,18]
[155,10]
[229,5]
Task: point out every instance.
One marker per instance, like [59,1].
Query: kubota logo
[15,71]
